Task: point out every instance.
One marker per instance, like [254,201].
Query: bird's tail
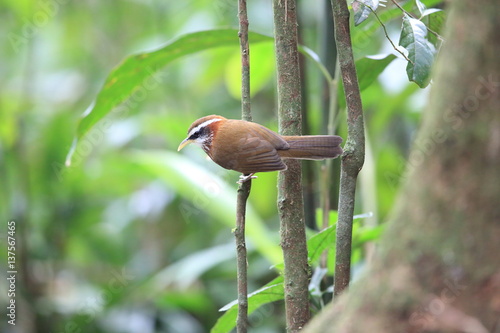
[312,147]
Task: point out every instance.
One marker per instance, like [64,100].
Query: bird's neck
[206,144]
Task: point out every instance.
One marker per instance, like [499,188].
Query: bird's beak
[184,143]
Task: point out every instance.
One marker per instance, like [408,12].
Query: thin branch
[387,35]
[245,61]
[354,149]
[241,252]
[244,188]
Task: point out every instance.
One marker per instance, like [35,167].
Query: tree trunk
[438,265]
[290,201]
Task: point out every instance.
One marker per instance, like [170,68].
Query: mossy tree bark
[290,201]
[437,268]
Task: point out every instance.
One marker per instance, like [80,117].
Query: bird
[248,147]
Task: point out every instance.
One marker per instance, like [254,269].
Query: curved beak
[184,143]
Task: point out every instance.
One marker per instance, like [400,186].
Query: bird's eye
[199,133]
[195,135]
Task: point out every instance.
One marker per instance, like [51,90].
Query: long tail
[312,147]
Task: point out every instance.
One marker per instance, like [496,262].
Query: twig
[387,35]
[245,61]
[354,149]
[244,188]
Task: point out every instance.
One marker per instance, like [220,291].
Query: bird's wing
[264,133]
[257,155]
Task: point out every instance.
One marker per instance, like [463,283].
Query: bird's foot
[245,178]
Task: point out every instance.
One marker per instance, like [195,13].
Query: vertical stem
[244,188]
[245,61]
[354,149]
[241,253]
[290,201]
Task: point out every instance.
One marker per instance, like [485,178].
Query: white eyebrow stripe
[203,124]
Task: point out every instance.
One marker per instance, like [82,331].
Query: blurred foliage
[132,237]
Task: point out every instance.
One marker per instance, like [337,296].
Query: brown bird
[248,147]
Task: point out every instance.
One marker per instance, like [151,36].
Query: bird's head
[202,131]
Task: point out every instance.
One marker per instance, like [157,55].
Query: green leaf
[362,37]
[365,234]
[362,9]
[271,292]
[421,7]
[434,19]
[333,216]
[138,73]
[368,70]
[420,50]
[320,242]
[424,4]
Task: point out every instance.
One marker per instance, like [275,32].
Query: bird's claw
[245,178]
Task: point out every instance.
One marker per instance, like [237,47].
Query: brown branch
[354,149]
[245,61]
[290,202]
[241,252]
[244,188]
